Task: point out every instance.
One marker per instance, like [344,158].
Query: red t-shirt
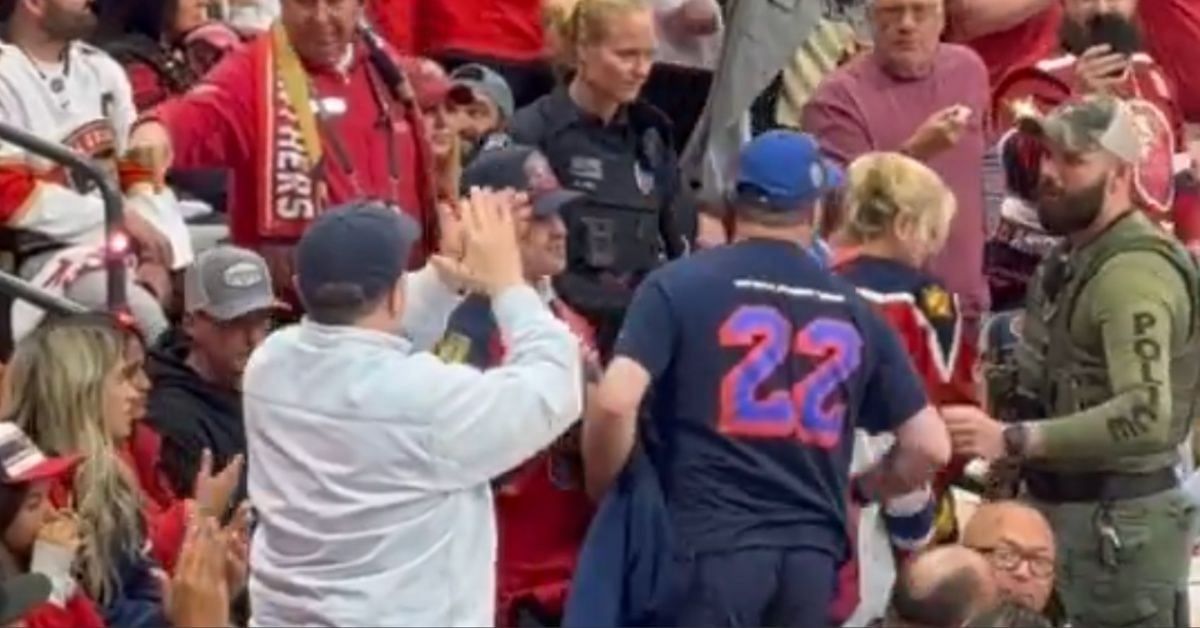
[510,30]
[1172,34]
[396,21]
[1022,45]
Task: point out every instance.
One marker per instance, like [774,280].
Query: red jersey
[542,509]
[927,320]
[79,612]
[1052,82]
[166,517]
[930,326]
[1171,31]
[396,21]
[1022,45]
[508,30]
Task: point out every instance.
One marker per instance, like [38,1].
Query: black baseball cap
[364,245]
[21,594]
[521,168]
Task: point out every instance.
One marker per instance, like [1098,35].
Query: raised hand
[1100,69]
[212,491]
[940,132]
[198,594]
[492,259]
[61,529]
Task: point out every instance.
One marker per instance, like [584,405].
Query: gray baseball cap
[226,282]
[486,82]
[1090,124]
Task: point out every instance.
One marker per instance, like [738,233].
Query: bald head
[1020,546]
[943,587]
[993,521]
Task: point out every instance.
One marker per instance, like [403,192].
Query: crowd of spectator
[441,367]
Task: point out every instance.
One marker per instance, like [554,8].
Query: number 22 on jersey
[812,410]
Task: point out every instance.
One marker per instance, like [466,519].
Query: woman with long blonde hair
[70,389]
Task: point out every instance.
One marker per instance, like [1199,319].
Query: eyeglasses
[920,12]
[1009,558]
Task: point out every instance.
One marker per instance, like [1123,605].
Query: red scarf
[290,195]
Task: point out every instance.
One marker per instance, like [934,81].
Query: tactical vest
[1065,377]
[617,235]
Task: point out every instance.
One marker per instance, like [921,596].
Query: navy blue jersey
[763,364]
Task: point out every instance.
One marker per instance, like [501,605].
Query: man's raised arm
[213,125]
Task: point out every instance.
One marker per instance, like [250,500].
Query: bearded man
[1107,372]
[1101,52]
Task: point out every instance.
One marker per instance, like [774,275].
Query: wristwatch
[1016,436]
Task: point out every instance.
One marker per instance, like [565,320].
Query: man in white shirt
[370,460]
[61,89]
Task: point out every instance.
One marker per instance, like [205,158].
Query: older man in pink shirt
[927,99]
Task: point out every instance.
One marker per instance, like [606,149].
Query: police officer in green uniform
[1108,371]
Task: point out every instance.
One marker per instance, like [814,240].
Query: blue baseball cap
[784,171]
[524,169]
[362,245]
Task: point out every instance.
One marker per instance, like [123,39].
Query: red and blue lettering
[827,351]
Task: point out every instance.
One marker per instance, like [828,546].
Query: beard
[1116,30]
[1063,213]
[68,24]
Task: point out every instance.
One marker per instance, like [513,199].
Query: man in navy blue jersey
[758,365]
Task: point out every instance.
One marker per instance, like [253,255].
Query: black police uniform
[635,216]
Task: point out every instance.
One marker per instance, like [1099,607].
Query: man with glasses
[1019,544]
[916,95]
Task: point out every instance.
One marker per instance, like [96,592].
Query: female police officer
[601,139]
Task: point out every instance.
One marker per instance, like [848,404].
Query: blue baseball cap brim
[747,193]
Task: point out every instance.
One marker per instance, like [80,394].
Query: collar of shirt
[320,334]
[343,68]
[565,112]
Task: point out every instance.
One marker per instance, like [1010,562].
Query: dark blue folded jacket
[139,603]
[622,577]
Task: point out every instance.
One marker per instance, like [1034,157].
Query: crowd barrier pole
[53,304]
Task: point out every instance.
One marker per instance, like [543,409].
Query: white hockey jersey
[84,102]
[875,543]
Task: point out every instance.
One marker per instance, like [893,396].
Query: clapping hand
[213,491]
[199,594]
[236,538]
[491,260]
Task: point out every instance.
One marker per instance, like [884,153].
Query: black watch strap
[1016,436]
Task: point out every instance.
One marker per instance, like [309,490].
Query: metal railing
[53,304]
[114,221]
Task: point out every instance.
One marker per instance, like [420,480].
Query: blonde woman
[601,138]
[76,387]
[897,215]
